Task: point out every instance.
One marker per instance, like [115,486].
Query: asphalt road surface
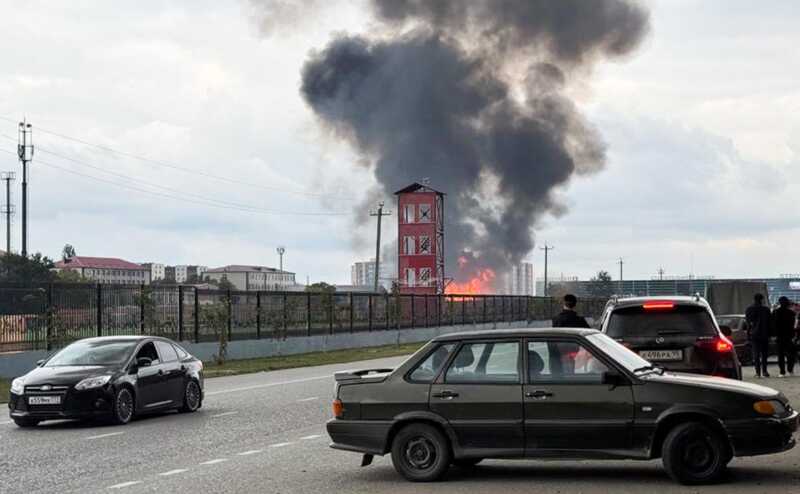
[265,433]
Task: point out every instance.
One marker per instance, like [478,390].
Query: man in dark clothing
[783,319]
[758,320]
[568,318]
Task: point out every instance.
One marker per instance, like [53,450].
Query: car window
[167,352]
[563,361]
[182,354]
[632,322]
[485,363]
[735,323]
[148,350]
[427,370]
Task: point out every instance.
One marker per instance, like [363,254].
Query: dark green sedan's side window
[427,370]
[478,363]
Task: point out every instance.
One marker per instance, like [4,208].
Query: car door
[480,395]
[149,379]
[567,407]
[174,372]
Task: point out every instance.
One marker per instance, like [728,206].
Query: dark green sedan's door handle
[446,395]
[539,393]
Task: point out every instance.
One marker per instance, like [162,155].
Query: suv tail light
[719,344]
[338,408]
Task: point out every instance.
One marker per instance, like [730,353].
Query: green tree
[26,270]
[321,287]
[601,285]
[70,276]
[68,252]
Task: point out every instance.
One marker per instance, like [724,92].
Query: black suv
[551,393]
[677,333]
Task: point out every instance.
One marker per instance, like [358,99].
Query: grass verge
[5,385]
[233,367]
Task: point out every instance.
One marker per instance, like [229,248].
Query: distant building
[106,270]
[362,273]
[156,270]
[253,277]
[520,280]
[184,272]
[169,273]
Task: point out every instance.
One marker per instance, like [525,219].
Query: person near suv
[783,325]
[759,319]
[568,317]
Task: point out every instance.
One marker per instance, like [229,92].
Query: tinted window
[680,320]
[148,350]
[735,323]
[181,352]
[485,362]
[429,368]
[93,353]
[167,352]
[563,361]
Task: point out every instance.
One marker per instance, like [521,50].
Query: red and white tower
[420,236]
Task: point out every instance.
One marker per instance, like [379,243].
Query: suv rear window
[680,320]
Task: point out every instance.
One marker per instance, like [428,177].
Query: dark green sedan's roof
[514,333]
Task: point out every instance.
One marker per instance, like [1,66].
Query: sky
[701,125]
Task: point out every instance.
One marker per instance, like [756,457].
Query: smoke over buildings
[472,94]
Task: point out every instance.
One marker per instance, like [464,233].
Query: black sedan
[552,393]
[115,377]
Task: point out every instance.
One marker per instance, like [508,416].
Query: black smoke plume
[472,94]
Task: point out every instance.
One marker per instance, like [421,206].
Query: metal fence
[49,316]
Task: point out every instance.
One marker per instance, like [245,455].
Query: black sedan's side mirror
[725,330]
[143,362]
[613,378]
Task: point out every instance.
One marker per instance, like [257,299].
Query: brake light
[724,345]
[338,408]
[659,305]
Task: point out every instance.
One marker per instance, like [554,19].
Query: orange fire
[481,283]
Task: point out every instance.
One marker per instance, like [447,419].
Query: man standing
[758,321]
[568,318]
[783,319]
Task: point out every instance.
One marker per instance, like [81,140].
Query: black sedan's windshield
[90,352]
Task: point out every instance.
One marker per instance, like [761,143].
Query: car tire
[467,462]
[695,454]
[421,453]
[124,406]
[26,423]
[191,397]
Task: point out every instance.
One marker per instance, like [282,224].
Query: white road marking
[214,462]
[268,385]
[106,435]
[309,438]
[308,399]
[279,445]
[224,414]
[173,472]
[125,484]
[251,452]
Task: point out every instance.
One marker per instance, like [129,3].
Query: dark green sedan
[552,393]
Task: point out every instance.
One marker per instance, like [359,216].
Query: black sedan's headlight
[18,386]
[92,383]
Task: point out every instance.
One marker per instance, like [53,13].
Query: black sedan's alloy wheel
[695,454]
[123,406]
[191,397]
[421,453]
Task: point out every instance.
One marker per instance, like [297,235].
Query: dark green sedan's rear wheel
[695,454]
[421,453]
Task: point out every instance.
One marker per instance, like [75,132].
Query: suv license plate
[662,355]
[44,400]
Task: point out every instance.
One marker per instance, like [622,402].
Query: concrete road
[265,433]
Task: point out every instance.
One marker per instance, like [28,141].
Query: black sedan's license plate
[662,355]
[44,400]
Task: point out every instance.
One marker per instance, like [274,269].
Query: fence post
[258,315]
[49,328]
[230,315]
[99,309]
[331,301]
[483,319]
[196,316]
[412,312]
[426,299]
[141,308]
[463,310]
[180,312]
[451,310]
[285,314]
[308,313]
[386,309]
[369,312]
[351,311]
[439,310]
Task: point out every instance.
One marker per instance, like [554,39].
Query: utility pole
[25,153]
[8,208]
[546,249]
[660,273]
[281,250]
[620,262]
[380,214]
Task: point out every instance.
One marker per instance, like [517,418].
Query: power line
[203,202]
[184,169]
